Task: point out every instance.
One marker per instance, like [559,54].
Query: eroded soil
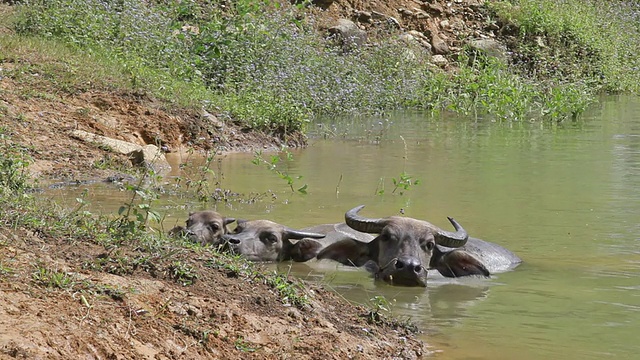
[56,305]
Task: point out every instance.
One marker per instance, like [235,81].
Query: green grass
[594,42]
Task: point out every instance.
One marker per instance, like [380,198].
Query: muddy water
[564,197]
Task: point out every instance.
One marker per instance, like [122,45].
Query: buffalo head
[403,250]
[204,227]
[264,240]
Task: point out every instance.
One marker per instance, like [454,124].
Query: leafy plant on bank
[14,161]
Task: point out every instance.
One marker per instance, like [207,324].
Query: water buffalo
[495,258]
[406,248]
[204,227]
[264,240]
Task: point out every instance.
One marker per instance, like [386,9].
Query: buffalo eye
[214,226]
[388,236]
[428,245]
[271,239]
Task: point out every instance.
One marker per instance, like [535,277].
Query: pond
[564,197]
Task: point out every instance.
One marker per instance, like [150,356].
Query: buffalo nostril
[409,265]
[234,241]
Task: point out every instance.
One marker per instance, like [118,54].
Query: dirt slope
[58,304]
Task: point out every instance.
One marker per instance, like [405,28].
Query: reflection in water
[443,303]
[564,197]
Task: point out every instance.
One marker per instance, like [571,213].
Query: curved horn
[297,234]
[228,221]
[452,239]
[363,224]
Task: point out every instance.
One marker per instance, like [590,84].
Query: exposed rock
[405,12]
[363,16]
[417,37]
[323,3]
[115,145]
[420,14]
[348,35]
[148,155]
[439,45]
[489,47]
[394,23]
[439,61]
[435,8]
[378,15]
[213,120]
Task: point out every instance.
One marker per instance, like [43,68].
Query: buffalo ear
[348,252]
[303,250]
[458,263]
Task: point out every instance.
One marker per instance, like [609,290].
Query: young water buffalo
[405,248]
[264,240]
[204,227]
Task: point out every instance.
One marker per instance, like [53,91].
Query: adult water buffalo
[406,248]
[264,240]
[204,227]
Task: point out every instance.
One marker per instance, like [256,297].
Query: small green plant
[183,273]
[52,278]
[243,345]
[4,269]
[137,212]
[273,165]
[14,161]
[377,305]
[204,172]
[403,182]
[290,291]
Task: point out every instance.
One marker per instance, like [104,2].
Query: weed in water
[273,164]
[404,181]
[377,305]
[136,213]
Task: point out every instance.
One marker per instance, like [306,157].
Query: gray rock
[363,16]
[489,47]
[348,35]
[416,37]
